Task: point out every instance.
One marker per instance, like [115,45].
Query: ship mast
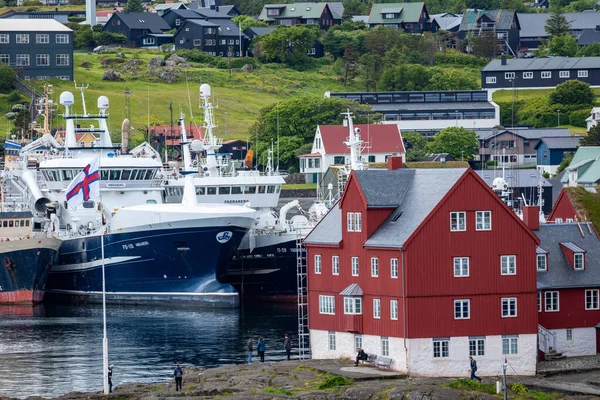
[210,143]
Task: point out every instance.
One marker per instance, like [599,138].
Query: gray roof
[446,21]
[377,189]
[360,18]
[515,177]
[183,13]
[16,214]
[200,22]
[424,191]
[228,28]
[32,25]
[352,290]
[337,9]
[560,274]
[258,31]
[543,64]
[525,133]
[588,36]
[208,13]
[503,19]
[540,250]
[556,186]
[433,106]
[142,20]
[560,142]
[328,230]
[573,247]
[533,24]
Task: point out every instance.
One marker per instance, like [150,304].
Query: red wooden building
[426,266]
[563,209]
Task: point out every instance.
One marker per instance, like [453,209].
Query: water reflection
[54,349]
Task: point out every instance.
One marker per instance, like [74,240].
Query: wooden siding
[563,208]
[572,312]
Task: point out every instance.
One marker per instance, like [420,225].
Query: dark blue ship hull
[266,273]
[24,268]
[149,266]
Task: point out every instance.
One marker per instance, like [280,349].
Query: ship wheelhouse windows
[54,175]
[26,222]
[200,190]
[17,223]
[211,190]
[262,189]
[67,174]
[104,174]
[236,190]
[10,223]
[271,189]
[148,174]
[133,175]
[141,175]
[4,224]
[224,190]
[278,188]
[126,174]
[115,174]
[250,189]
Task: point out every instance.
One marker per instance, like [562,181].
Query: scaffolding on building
[302,281]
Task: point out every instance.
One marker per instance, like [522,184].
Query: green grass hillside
[239,96]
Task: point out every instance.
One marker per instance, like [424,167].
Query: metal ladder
[302,282]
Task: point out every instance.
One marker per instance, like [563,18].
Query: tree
[592,138]
[248,22]
[557,24]
[289,44]
[451,79]
[416,146]
[404,77]
[134,6]
[460,143]
[370,70]
[572,92]
[561,45]
[486,45]
[84,38]
[8,76]
[350,60]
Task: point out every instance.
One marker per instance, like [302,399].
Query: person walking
[287,345]
[474,369]
[178,374]
[261,349]
[250,350]
[110,368]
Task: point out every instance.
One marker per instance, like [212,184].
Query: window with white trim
[483,221]
[564,74]
[441,348]
[331,340]
[317,263]
[546,74]
[394,309]
[326,304]
[461,266]
[591,299]
[477,346]
[5,59]
[458,221]
[508,265]
[177,22]
[461,309]
[509,307]
[42,38]
[354,266]
[197,42]
[569,333]
[385,346]
[62,38]
[353,305]
[374,267]
[357,343]
[552,301]
[148,41]
[582,73]
[354,220]
[539,301]
[42,60]
[542,262]
[527,75]
[22,60]
[578,261]
[490,79]
[335,265]
[394,267]
[4,38]
[376,308]
[22,38]
[569,220]
[509,75]
[558,220]
[358,222]
[64,60]
[510,345]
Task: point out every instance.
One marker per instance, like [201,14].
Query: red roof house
[424,267]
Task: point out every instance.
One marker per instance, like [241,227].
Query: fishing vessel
[151,252]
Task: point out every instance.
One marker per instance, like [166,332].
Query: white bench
[379,361]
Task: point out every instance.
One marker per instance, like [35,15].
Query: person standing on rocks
[287,345]
[110,368]
[250,350]
[474,369]
[261,349]
[178,374]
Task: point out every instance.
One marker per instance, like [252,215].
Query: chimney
[531,217]
[503,59]
[394,162]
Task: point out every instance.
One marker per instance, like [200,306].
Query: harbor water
[50,350]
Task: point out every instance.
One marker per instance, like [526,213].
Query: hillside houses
[409,17]
[319,14]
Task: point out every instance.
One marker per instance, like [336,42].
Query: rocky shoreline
[306,380]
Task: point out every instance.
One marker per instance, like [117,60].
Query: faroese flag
[85,185]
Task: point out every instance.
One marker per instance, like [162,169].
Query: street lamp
[558,118]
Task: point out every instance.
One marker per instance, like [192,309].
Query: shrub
[14,97]
[76,19]
[572,92]
[7,78]
[519,389]
[333,382]
[32,3]
[240,62]
[492,163]
[201,57]
[578,117]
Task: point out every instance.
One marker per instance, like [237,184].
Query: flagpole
[105,338]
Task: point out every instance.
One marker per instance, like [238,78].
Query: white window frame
[146,41]
[5,59]
[353,305]
[546,74]
[460,306]
[441,348]
[377,308]
[197,42]
[335,265]
[357,342]
[22,38]
[350,221]
[509,75]
[374,267]
[4,38]
[593,296]
[326,304]
[512,343]
[490,80]
[25,60]
[455,221]
[550,297]
[67,57]
[539,301]
[354,264]
[318,265]
[385,346]
[558,220]
[483,221]
[583,73]
[544,259]
[461,265]
[564,74]
[177,22]
[358,222]
[62,38]
[39,57]
[394,310]
[508,307]
[576,265]
[528,75]
[569,334]
[477,346]
[331,340]
[42,38]
[511,265]
[394,268]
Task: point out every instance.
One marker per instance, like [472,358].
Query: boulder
[248,68]
[168,74]
[156,62]
[176,60]
[112,75]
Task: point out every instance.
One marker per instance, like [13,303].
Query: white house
[593,118]
[380,141]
